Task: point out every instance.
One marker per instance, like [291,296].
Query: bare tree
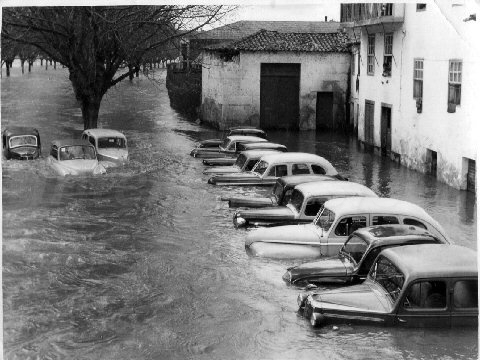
[95,42]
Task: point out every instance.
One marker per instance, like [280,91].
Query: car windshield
[260,167]
[225,143]
[241,160]
[324,219]
[354,248]
[296,200]
[77,152]
[23,140]
[111,142]
[386,274]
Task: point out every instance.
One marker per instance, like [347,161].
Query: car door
[342,229]
[425,304]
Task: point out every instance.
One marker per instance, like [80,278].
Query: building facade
[277,80]
[413,84]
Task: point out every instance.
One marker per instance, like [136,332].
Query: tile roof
[275,41]
[240,29]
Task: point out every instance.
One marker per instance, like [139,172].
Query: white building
[414,84]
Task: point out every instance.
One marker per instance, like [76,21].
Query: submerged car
[355,258]
[21,143]
[281,192]
[265,146]
[245,161]
[304,204]
[411,286]
[270,167]
[237,130]
[111,145]
[74,157]
[336,220]
[227,148]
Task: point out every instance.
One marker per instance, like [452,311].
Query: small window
[384,220]
[426,295]
[354,247]
[454,84]
[465,294]
[348,225]
[418,79]
[421,7]
[317,169]
[408,221]
[388,55]
[299,169]
[371,55]
[278,171]
[313,206]
[91,140]
[54,152]
[250,165]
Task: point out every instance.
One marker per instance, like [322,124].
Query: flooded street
[144,262]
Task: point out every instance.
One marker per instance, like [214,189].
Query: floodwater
[144,262]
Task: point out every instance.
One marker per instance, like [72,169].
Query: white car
[74,157]
[111,145]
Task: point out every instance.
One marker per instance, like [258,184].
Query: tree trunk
[55,65]
[137,71]
[130,75]
[30,63]
[22,62]
[7,66]
[90,108]
[46,64]
[41,62]
[151,66]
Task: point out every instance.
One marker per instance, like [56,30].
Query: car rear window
[465,294]
[240,160]
[296,200]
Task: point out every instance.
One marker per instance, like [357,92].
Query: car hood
[79,165]
[327,267]
[239,178]
[250,201]
[211,141]
[114,154]
[364,297]
[24,150]
[278,212]
[222,170]
[284,234]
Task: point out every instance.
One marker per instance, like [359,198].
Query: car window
[386,274]
[313,206]
[296,200]
[426,295]
[250,165]
[298,169]
[465,294]
[278,171]
[384,220]
[54,152]
[286,197]
[260,167]
[354,248]
[368,261]
[408,221]
[348,225]
[317,169]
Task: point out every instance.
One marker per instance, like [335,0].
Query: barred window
[387,55]
[417,78]
[371,55]
[454,84]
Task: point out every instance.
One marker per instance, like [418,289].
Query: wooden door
[369,112]
[386,130]
[324,113]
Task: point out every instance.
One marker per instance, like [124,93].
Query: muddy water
[144,262]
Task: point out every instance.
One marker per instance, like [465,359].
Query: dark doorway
[431,162]
[279,96]
[471,175]
[369,109]
[386,130]
[324,110]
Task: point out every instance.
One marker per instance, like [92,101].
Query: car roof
[294,180]
[430,260]
[263,144]
[334,188]
[104,132]
[70,142]
[20,130]
[245,138]
[379,235]
[295,156]
[246,127]
[257,153]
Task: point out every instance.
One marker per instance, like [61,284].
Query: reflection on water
[144,262]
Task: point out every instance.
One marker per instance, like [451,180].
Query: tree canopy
[94,42]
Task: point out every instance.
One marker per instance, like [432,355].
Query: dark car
[354,260]
[304,204]
[21,143]
[242,147]
[281,192]
[227,149]
[236,130]
[245,161]
[427,285]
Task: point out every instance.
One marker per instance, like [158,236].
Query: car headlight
[238,221]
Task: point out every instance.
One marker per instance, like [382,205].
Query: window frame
[371,54]
[455,69]
[418,76]
[421,7]
[387,54]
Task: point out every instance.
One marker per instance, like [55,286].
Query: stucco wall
[231,89]
[437,35]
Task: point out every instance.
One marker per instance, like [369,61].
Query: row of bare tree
[103,45]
